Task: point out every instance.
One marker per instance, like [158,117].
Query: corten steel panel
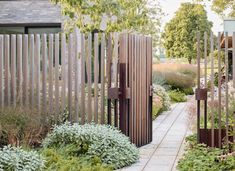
[201,94]
[205,137]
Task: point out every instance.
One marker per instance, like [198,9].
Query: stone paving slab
[169,131]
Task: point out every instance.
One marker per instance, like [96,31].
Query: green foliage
[180,33]
[66,158]
[177,96]
[165,99]
[106,142]
[225,8]
[188,91]
[113,15]
[156,110]
[199,157]
[16,159]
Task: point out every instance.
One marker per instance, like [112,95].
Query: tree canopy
[180,33]
[223,7]
[141,16]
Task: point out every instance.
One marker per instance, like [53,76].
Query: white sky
[170,7]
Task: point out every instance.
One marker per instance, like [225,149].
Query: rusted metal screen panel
[219,132]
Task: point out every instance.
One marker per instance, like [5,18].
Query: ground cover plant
[102,141]
[200,157]
[177,96]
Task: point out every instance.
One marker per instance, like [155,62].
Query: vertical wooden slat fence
[220,131]
[97,78]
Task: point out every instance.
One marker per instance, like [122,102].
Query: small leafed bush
[65,158]
[165,99]
[199,157]
[177,96]
[16,159]
[103,141]
[157,107]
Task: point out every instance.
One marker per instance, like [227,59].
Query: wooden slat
[130,54]
[76,64]
[219,87]
[134,84]
[115,71]
[31,59]
[198,84]
[234,82]
[19,69]
[109,76]
[103,45]
[150,66]
[70,78]
[13,69]
[145,91]
[37,68]
[7,69]
[57,93]
[44,73]
[233,60]
[89,78]
[96,77]
[25,70]
[205,59]
[226,86]
[1,71]
[50,71]
[63,66]
[83,100]
[212,90]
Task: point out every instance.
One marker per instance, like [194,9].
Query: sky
[170,7]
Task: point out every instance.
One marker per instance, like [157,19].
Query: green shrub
[16,159]
[188,91]
[103,141]
[165,99]
[199,157]
[156,109]
[65,158]
[177,96]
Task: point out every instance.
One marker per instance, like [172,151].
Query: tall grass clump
[176,76]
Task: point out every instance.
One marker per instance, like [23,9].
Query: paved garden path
[169,131]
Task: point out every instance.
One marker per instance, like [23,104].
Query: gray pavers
[169,131]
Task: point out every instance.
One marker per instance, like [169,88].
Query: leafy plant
[106,142]
[177,96]
[157,106]
[17,159]
[65,158]
[188,91]
[164,97]
[200,157]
